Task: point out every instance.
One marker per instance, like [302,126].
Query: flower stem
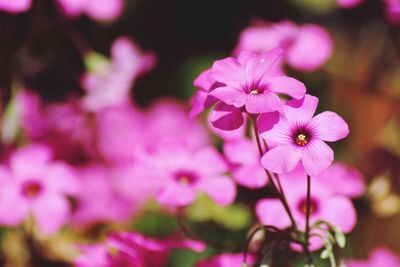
[280,190]
[307,253]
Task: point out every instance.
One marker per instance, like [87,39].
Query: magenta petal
[241,151]
[51,213]
[300,110]
[208,161]
[204,81]
[340,212]
[269,59]
[200,102]
[311,38]
[272,212]
[174,194]
[230,96]
[329,126]
[226,117]
[286,85]
[282,159]
[274,129]
[228,71]
[317,157]
[262,103]
[251,176]
[220,188]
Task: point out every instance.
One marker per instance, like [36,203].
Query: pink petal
[300,110]
[317,157]
[302,54]
[272,212]
[15,6]
[62,178]
[329,126]
[340,212]
[282,159]
[104,10]
[229,72]
[200,102]
[214,186]
[262,103]
[51,213]
[174,194]
[274,129]
[227,135]
[269,59]
[286,85]
[208,161]
[251,176]
[230,96]
[226,117]
[204,81]
[241,151]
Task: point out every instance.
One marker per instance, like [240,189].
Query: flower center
[32,189]
[303,206]
[302,139]
[255,92]
[185,178]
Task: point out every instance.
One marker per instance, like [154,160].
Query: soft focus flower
[42,188]
[392,11]
[182,172]
[110,85]
[299,42]
[15,6]
[343,180]
[296,136]
[106,206]
[324,205]
[132,250]
[225,260]
[349,3]
[247,168]
[247,82]
[102,10]
[378,257]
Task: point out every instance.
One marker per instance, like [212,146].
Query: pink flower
[349,3]
[182,172]
[247,169]
[102,10]
[42,188]
[343,180]
[15,6]
[111,84]
[247,82]
[107,206]
[132,250]
[325,205]
[299,43]
[379,257]
[225,260]
[296,136]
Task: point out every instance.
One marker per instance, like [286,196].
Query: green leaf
[96,62]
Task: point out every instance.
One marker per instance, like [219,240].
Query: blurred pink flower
[110,85]
[102,10]
[296,136]
[379,257]
[299,42]
[106,206]
[182,172]
[247,169]
[343,180]
[247,82]
[42,188]
[132,250]
[392,11]
[325,205]
[349,3]
[15,6]
[225,260]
